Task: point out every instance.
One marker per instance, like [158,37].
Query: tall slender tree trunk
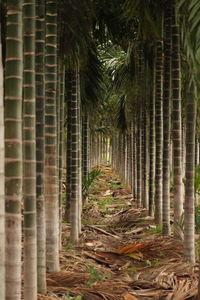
[145,160]
[189,225]
[74,205]
[80,202]
[139,158]
[40,145]
[61,147]
[159,133]
[51,183]
[176,122]
[166,118]
[29,153]
[85,145]
[152,147]
[2,182]
[69,147]
[13,147]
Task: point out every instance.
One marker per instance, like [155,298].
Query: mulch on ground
[120,256]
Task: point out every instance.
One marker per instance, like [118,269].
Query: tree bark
[176,122]
[189,224]
[166,118]
[159,133]
[29,153]
[51,172]
[2,180]
[13,147]
[40,145]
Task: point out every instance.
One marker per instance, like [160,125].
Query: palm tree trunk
[13,147]
[196,150]
[74,205]
[189,234]
[166,119]
[69,147]
[2,180]
[61,146]
[79,127]
[40,146]
[85,145]
[139,159]
[135,159]
[159,133]
[29,151]
[176,122]
[152,141]
[51,186]
[145,160]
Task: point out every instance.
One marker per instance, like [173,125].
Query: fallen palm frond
[66,279]
[152,249]
[42,297]
[107,291]
[173,281]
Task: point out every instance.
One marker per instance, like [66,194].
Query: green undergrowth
[73,298]
[114,186]
[155,230]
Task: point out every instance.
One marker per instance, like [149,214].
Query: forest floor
[122,255]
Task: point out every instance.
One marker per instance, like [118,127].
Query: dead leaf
[129,297]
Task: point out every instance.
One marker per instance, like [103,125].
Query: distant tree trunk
[2,180]
[13,147]
[61,147]
[29,159]
[69,147]
[135,159]
[152,146]
[139,158]
[196,150]
[132,161]
[40,146]
[189,225]
[145,160]
[159,133]
[128,159]
[51,172]
[166,118]
[85,145]
[79,127]
[176,122]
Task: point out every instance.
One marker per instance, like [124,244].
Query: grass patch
[156,230]
[94,276]
[115,186]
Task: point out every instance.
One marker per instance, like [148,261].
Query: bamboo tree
[2,188]
[51,183]
[13,147]
[29,148]
[189,234]
[166,118]
[40,145]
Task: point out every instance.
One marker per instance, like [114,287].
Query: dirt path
[122,254]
